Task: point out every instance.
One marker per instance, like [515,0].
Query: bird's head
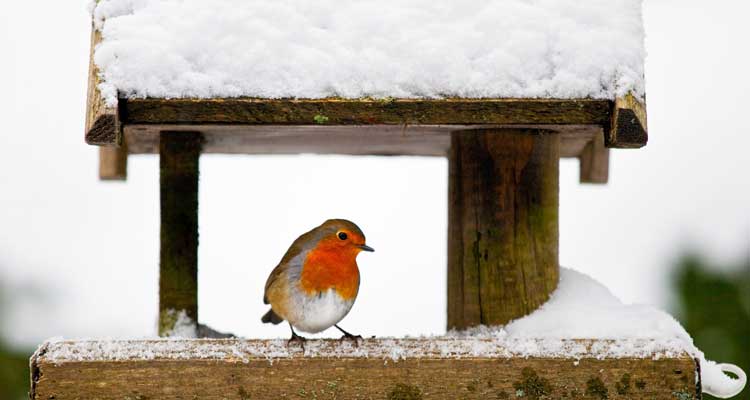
[341,236]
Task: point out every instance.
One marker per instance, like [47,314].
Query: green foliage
[713,304]
[14,363]
[14,374]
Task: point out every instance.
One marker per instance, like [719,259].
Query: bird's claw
[355,338]
[297,339]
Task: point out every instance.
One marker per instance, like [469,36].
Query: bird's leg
[348,335]
[296,338]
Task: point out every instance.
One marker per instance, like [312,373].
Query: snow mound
[582,308]
[370,48]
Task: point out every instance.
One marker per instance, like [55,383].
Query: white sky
[82,255]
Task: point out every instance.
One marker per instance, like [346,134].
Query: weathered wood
[234,125]
[334,111]
[420,140]
[236,369]
[173,113]
[629,128]
[178,266]
[102,122]
[113,163]
[502,224]
[594,162]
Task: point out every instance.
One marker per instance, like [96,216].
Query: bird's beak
[365,247]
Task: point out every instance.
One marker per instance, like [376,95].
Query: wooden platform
[376,369]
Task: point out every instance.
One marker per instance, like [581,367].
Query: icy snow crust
[370,48]
[582,319]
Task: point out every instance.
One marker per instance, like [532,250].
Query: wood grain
[238,121]
[629,128]
[113,163]
[232,375]
[594,162]
[502,224]
[334,111]
[103,125]
[178,261]
[415,140]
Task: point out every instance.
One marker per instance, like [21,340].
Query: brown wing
[286,264]
[275,274]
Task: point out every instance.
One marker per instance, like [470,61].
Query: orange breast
[331,268]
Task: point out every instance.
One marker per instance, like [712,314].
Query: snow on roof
[370,48]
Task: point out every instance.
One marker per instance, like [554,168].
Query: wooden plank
[334,111]
[417,140]
[179,157]
[220,115]
[629,128]
[102,122]
[377,369]
[594,162]
[502,224]
[113,163]
[227,121]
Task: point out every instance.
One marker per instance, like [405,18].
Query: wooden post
[179,153]
[594,162]
[113,163]
[502,224]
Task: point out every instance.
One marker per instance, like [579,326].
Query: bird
[315,284]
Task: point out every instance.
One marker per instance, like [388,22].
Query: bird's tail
[271,317]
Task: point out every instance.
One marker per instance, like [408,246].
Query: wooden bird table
[503,173]
[502,250]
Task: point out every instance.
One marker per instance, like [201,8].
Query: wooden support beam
[628,128]
[417,140]
[391,369]
[335,111]
[102,121]
[594,162]
[179,153]
[502,224]
[113,163]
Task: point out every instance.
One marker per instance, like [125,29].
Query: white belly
[313,314]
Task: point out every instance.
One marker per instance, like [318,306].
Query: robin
[315,284]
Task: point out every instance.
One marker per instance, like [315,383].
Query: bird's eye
[342,235]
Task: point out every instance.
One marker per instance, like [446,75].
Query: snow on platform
[582,320]
[369,48]
[388,349]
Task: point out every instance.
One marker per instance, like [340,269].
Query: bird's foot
[354,338]
[297,339]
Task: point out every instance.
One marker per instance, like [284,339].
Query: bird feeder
[503,154]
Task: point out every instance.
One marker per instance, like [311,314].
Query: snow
[584,308]
[184,327]
[370,48]
[582,319]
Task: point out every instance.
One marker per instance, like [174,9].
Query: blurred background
[79,257]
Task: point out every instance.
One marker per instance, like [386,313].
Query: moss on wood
[532,385]
[595,387]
